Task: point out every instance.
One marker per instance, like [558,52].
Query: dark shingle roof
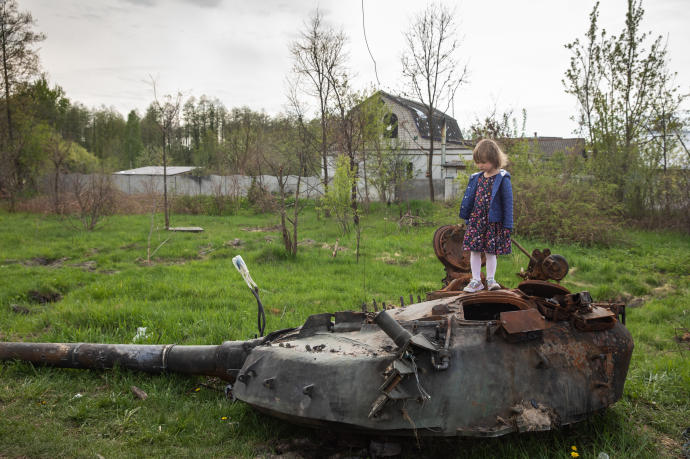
[550,145]
[419,115]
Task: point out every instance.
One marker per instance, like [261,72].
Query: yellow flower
[574,454]
[224,418]
[197,389]
[574,448]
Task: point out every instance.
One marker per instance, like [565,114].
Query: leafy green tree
[104,135]
[619,82]
[132,143]
[336,200]
[17,52]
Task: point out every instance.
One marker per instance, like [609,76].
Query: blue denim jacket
[501,207]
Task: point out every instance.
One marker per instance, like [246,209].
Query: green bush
[558,200]
[260,198]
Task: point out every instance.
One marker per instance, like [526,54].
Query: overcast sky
[103,52]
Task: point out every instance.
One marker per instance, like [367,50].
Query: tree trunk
[429,170]
[165,184]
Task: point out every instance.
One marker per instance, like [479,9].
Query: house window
[391,131]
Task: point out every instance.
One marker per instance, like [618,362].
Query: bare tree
[318,53]
[430,67]
[95,197]
[293,146]
[167,117]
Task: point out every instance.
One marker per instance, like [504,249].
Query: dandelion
[224,418]
[574,454]
[574,448]
[197,389]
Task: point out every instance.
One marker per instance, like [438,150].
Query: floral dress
[482,235]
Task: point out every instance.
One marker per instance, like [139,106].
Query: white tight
[476,265]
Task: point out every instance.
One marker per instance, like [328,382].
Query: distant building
[150,178]
[410,125]
[551,145]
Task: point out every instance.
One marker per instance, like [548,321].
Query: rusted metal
[448,248]
[522,325]
[543,265]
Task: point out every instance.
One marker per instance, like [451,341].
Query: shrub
[338,200]
[260,198]
[556,200]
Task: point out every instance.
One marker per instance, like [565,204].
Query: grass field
[103,291]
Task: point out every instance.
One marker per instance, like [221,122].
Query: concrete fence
[238,185]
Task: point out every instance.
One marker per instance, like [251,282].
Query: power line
[367,43]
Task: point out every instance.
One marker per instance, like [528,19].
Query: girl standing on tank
[487,207]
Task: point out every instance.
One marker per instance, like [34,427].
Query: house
[409,124]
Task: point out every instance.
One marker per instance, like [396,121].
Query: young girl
[487,206]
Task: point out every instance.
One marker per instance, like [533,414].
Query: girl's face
[485,167]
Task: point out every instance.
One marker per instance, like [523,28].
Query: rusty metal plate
[448,247]
[527,320]
[544,289]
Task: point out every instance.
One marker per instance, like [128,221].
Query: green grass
[191,294]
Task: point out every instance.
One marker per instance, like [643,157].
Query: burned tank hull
[493,384]
[482,364]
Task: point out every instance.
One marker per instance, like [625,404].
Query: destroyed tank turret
[475,364]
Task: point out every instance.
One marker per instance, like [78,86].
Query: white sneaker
[474,286]
[492,285]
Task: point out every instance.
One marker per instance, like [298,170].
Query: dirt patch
[234,243]
[396,259]
[638,301]
[683,337]
[21,309]
[341,248]
[44,295]
[43,261]
[205,250]
[663,291]
[169,261]
[88,265]
[260,229]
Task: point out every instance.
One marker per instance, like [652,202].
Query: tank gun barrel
[223,361]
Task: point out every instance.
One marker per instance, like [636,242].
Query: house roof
[157,170]
[419,115]
[550,145]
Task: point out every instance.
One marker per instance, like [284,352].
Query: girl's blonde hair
[488,151]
